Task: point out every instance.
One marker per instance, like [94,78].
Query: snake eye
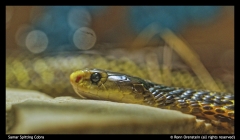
[95,77]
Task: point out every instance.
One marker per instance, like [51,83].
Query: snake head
[88,82]
[107,85]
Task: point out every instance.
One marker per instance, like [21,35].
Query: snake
[216,108]
[49,73]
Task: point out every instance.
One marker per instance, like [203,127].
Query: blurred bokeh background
[44,44]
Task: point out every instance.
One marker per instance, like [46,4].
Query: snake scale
[50,73]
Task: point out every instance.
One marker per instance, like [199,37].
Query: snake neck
[213,107]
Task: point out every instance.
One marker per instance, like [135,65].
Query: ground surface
[32,112]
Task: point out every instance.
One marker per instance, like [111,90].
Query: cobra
[214,107]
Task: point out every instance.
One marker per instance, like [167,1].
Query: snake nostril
[78,78]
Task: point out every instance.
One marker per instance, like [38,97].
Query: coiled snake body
[214,107]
